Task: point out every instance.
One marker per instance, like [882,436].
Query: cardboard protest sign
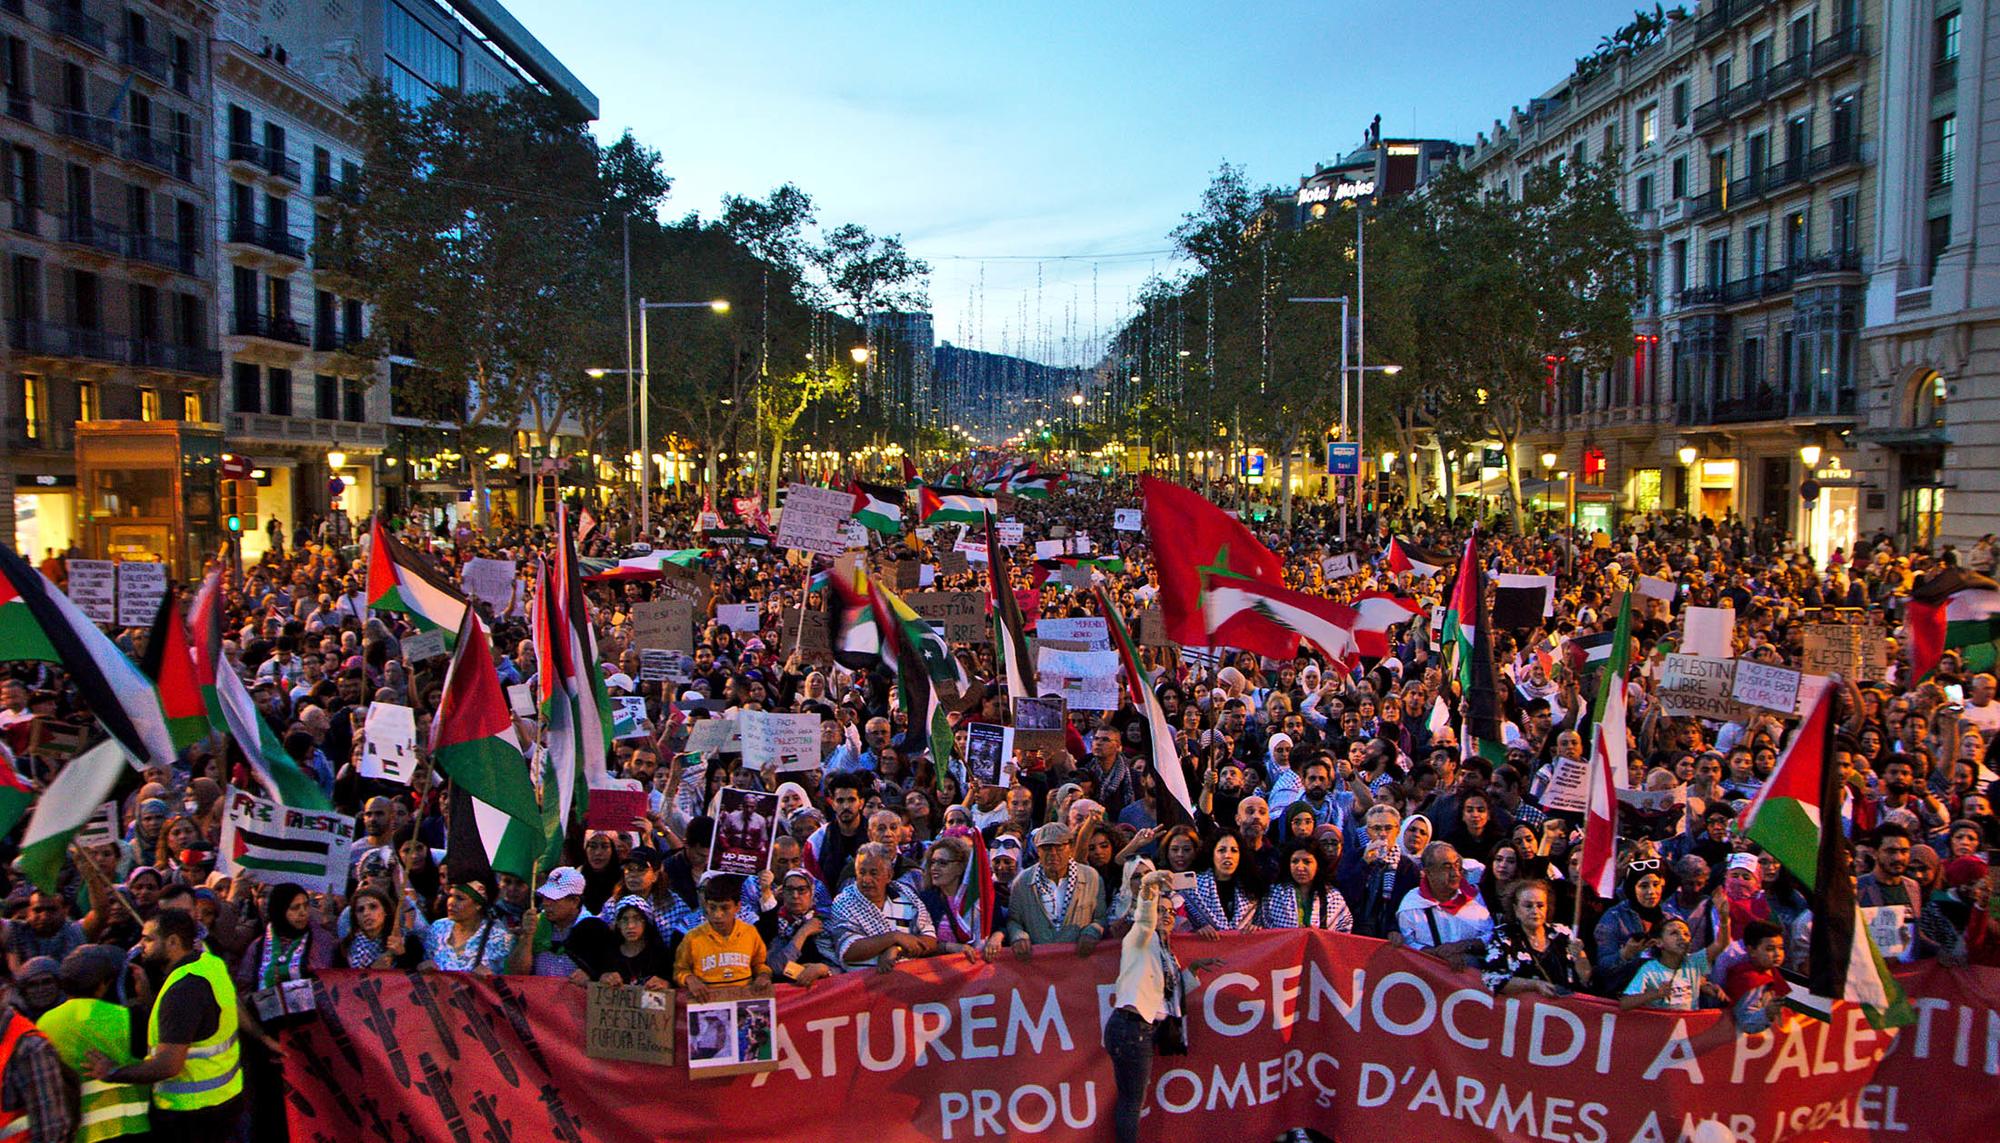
[1127,520]
[908,575]
[732,1037]
[788,741]
[1700,686]
[1083,633]
[1767,686]
[93,587]
[1853,651]
[1565,788]
[656,666]
[691,584]
[389,743]
[713,735]
[740,617]
[616,807]
[488,580]
[663,624]
[275,844]
[423,646]
[962,612]
[988,748]
[814,519]
[953,563]
[1039,721]
[746,822]
[141,586]
[1153,628]
[629,1022]
[628,717]
[1709,631]
[1341,566]
[809,632]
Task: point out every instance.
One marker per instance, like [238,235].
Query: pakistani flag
[69,802]
[473,743]
[878,507]
[923,664]
[231,708]
[953,506]
[400,579]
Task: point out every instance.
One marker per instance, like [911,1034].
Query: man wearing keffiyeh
[1375,875]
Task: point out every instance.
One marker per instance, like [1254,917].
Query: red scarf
[1464,898]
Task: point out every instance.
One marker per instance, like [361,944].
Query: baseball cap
[644,855]
[1743,861]
[563,881]
[1054,833]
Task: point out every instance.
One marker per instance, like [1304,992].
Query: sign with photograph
[1039,721]
[988,748]
[732,1037]
[746,822]
[1127,520]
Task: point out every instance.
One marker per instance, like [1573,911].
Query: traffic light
[235,524]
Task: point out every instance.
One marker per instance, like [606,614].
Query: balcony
[20,105]
[82,230]
[270,327]
[1762,403]
[1840,48]
[135,54]
[168,358]
[1832,262]
[163,252]
[1943,169]
[1710,295]
[271,162]
[72,24]
[266,428]
[1707,203]
[40,434]
[1832,156]
[46,339]
[330,338]
[264,236]
[1944,77]
[159,154]
[99,132]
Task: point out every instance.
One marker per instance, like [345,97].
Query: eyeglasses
[1645,863]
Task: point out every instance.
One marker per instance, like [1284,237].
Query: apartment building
[108,287]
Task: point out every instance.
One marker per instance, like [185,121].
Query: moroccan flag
[1954,609]
[1407,558]
[923,663]
[1608,760]
[1159,731]
[72,798]
[1236,605]
[231,708]
[472,738]
[952,506]
[400,579]
[1010,631]
[877,507]
[169,662]
[38,622]
[1375,612]
[1195,544]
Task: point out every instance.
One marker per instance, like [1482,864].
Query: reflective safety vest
[14,1124]
[76,1027]
[213,1073]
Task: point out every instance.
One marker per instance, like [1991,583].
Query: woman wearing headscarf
[144,845]
[292,947]
[1629,927]
[468,938]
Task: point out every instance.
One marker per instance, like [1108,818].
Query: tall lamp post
[720,306]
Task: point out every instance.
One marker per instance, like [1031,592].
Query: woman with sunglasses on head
[1629,928]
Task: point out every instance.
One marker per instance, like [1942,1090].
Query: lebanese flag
[1196,545]
[1957,608]
[1375,613]
[1236,607]
[402,580]
[1407,558]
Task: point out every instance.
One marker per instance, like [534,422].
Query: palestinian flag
[878,507]
[1032,485]
[1595,648]
[169,662]
[38,622]
[1102,563]
[16,792]
[400,579]
[1375,613]
[1608,760]
[1955,609]
[923,664]
[1003,608]
[570,693]
[585,525]
[1322,622]
[1196,545]
[231,708]
[910,477]
[856,637]
[1405,558]
[1166,760]
[70,801]
[473,743]
[952,506]
[1467,636]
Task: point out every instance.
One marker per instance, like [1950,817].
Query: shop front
[151,491]
[44,513]
[1716,481]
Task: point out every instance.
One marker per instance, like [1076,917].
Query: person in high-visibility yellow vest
[88,1021]
[195,1066]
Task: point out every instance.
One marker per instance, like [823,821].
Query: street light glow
[1392,370]
[719,305]
[595,374]
[860,354]
[336,459]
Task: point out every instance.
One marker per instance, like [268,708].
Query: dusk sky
[1028,130]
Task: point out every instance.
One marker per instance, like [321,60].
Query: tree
[863,274]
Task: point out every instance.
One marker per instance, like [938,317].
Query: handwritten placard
[629,1022]
[1767,686]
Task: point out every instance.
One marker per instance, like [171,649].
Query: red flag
[1194,543]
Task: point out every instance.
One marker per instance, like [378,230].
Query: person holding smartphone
[1148,1009]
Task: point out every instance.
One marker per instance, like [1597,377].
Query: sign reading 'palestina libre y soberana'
[1299,1028]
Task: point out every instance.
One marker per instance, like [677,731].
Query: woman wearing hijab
[292,948]
[636,952]
[1630,926]
[468,938]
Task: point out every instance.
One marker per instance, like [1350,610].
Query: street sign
[1492,458]
[1343,458]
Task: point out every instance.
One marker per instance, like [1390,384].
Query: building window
[1753,366]
[149,404]
[1679,255]
[281,392]
[191,406]
[1681,103]
[1944,150]
[1677,178]
[1645,192]
[1846,238]
[1937,236]
[249,386]
[34,406]
[1649,126]
[1800,37]
[421,62]
[1927,402]
[1578,155]
[354,397]
[1610,138]
[326,393]
[86,401]
[1797,246]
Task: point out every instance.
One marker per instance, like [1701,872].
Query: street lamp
[1810,454]
[859,354]
[720,306]
[336,460]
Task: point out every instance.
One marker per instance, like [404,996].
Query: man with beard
[830,850]
[194,1064]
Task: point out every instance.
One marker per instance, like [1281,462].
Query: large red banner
[1299,1029]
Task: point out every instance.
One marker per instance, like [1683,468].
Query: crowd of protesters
[1325,798]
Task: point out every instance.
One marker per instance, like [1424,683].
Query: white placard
[489,581]
[1079,544]
[1010,532]
[1566,788]
[814,519]
[141,586]
[276,845]
[1891,927]
[1761,684]
[423,646]
[521,700]
[1087,680]
[741,617]
[708,735]
[1048,549]
[789,740]
[1127,520]
[1653,587]
[1341,566]
[628,717]
[975,550]
[855,535]
[1088,632]
[93,587]
[1710,631]
[389,743]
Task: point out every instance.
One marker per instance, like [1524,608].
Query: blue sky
[1028,130]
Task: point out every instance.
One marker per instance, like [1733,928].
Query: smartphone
[1182,882]
[1956,691]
